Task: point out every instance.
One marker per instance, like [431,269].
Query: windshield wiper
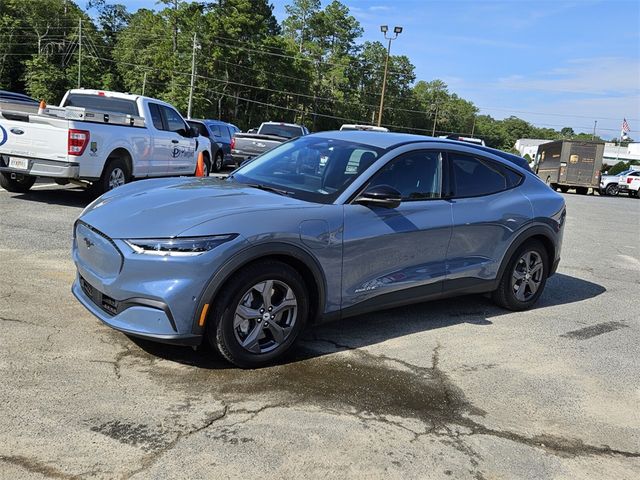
[268,188]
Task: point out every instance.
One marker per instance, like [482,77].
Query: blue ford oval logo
[17,131]
[3,135]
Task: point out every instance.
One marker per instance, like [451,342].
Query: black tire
[582,190]
[218,162]
[564,188]
[224,332]
[612,190]
[115,171]
[20,184]
[506,293]
[207,165]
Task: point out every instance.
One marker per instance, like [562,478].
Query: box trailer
[566,164]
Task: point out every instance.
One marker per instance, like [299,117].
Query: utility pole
[397,31]
[79,52]
[435,119]
[193,75]
[595,123]
[144,82]
[473,128]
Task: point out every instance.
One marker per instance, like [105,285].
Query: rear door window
[156,116]
[473,176]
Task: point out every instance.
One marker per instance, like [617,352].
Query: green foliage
[619,167]
[311,69]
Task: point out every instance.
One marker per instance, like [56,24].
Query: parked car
[477,141]
[219,134]
[390,219]
[245,146]
[630,183]
[13,97]
[96,138]
[609,183]
[368,128]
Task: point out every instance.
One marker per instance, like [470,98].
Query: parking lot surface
[449,389]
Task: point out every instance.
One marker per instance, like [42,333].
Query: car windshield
[309,168]
[286,131]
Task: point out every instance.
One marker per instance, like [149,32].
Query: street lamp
[397,31]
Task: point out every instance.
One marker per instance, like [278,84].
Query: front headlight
[178,247]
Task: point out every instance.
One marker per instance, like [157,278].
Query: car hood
[167,207]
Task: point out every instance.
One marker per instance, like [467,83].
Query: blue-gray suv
[323,227]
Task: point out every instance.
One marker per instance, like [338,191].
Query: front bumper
[143,295]
[136,319]
[39,167]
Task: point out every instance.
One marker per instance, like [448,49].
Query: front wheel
[582,190]
[260,314]
[524,278]
[19,184]
[564,188]
[612,189]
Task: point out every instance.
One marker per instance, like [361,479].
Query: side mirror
[380,196]
[193,132]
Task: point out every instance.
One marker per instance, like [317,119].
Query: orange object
[41,107]
[203,315]
[200,165]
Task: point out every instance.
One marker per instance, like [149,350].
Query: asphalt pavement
[450,389]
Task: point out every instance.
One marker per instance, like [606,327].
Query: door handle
[175,141]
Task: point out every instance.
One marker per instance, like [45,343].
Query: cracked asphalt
[450,389]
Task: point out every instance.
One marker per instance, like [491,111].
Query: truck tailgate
[251,145]
[34,136]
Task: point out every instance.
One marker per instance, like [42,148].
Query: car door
[487,213]
[182,155]
[225,142]
[393,254]
[158,163]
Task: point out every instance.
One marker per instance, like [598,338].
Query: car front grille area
[106,303]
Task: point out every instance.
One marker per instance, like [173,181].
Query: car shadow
[377,327]
[66,197]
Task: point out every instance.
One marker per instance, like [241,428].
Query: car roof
[387,140]
[6,95]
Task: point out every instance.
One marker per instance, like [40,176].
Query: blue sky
[552,62]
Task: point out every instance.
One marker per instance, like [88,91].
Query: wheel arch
[123,154]
[543,233]
[302,261]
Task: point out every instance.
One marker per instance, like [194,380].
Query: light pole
[397,31]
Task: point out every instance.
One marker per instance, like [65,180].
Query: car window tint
[416,175]
[173,119]
[359,161]
[202,130]
[473,176]
[103,103]
[225,133]
[156,117]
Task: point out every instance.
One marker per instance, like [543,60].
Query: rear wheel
[582,190]
[564,188]
[218,162]
[259,315]
[115,174]
[20,184]
[524,278]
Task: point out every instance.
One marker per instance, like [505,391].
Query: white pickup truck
[96,138]
[630,183]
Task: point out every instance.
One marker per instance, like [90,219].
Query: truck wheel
[612,189]
[114,175]
[564,189]
[582,190]
[20,184]
[218,163]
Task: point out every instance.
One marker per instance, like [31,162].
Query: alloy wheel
[218,163]
[265,316]
[527,275]
[117,178]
